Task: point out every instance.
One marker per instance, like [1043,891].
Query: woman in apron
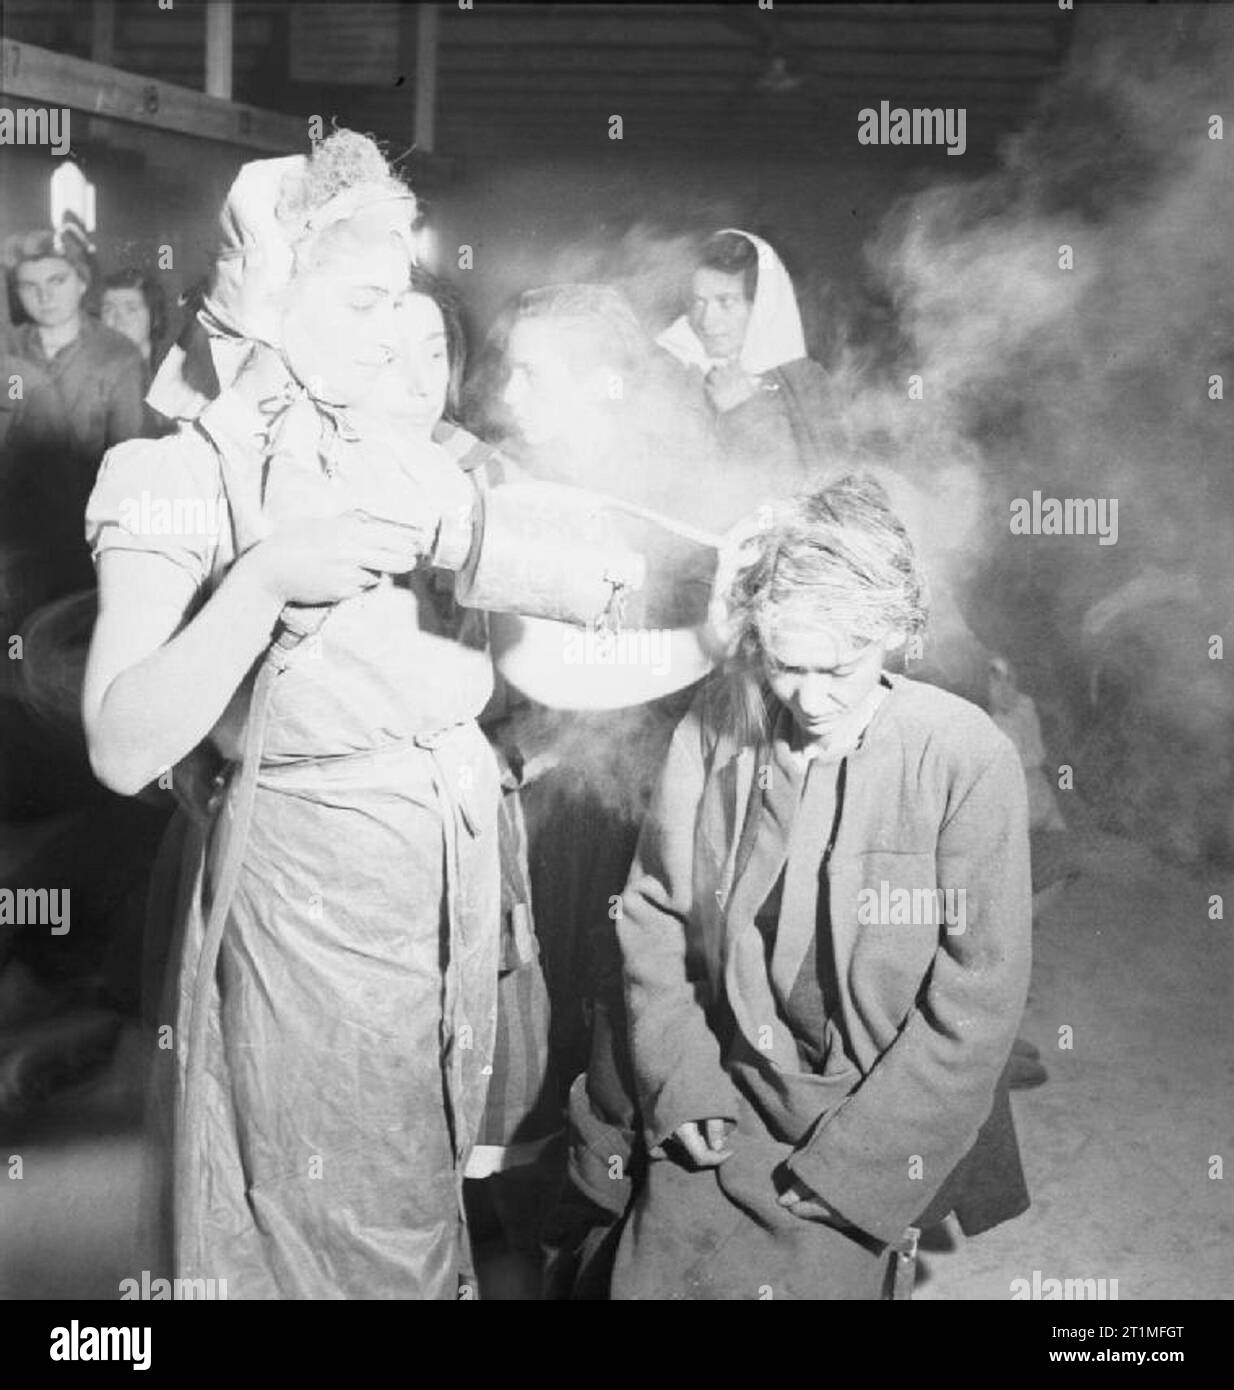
[267,595]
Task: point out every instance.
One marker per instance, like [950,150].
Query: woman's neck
[53,339]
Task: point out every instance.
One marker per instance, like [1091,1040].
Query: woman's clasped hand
[326,559]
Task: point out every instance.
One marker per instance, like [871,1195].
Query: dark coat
[934,798]
[783,428]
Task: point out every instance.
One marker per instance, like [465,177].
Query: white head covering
[773,334]
[260,249]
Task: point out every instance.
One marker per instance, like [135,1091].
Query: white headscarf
[773,334]
[259,254]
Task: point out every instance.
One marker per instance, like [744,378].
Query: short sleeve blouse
[165,497]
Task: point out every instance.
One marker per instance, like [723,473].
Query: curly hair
[344,159]
[841,553]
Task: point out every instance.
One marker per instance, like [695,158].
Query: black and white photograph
[612,675]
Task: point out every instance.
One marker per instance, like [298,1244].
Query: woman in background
[742,340]
[511,1175]
[96,372]
[134,304]
[96,384]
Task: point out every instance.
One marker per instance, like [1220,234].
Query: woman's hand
[803,1201]
[326,559]
[703,1141]
[730,386]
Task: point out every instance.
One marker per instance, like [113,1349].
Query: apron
[335,978]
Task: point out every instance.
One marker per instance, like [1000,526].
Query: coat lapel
[811,835]
[761,856]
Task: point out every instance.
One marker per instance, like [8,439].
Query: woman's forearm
[154,712]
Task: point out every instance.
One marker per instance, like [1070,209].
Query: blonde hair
[840,553]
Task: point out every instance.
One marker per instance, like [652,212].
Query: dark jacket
[783,428]
[934,798]
[101,380]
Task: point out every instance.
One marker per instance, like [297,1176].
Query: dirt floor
[1119,1144]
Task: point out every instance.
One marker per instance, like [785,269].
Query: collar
[774,334]
[279,410]
[32,342]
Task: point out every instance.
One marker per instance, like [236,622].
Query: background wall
[153,189]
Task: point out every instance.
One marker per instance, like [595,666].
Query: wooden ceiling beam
[37,74]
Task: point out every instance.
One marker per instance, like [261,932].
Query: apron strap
[189,1155]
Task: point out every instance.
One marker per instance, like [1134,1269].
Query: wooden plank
[219,34]
[839,120]
[933,91]
[928,28]
[182,65]
[700,150]
[426,75]
[572,134]
[180,30]
[586,27]
[149,25]
[103,31]
[356,43]
[570,58]
[37,74]
[559,134]
[732,107]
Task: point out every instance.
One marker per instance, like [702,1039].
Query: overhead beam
[38,74]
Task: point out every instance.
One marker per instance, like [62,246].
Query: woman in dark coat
[741,342]
[825,937]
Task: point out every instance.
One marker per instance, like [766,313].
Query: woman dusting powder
[334,979]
